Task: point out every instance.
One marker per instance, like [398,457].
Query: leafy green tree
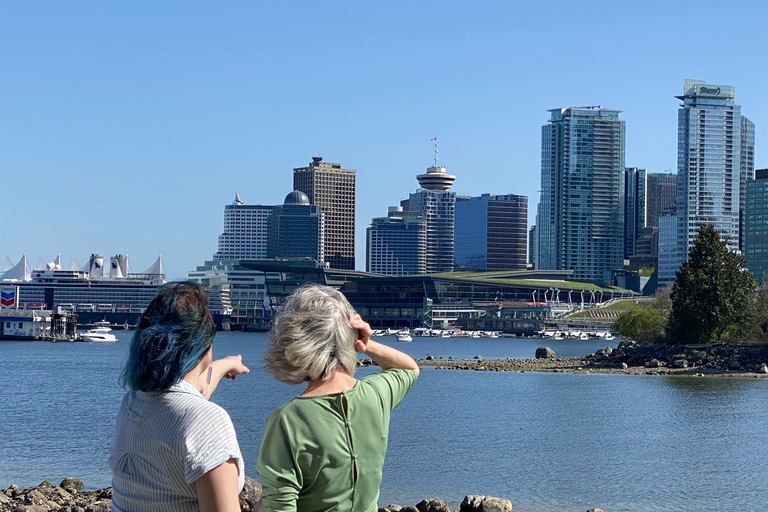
[641,323]
[711,296]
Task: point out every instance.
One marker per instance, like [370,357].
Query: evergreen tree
[711,293]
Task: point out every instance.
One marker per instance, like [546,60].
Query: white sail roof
[17,273]
[74,265]
[157,267]
[41,264]
[8,264]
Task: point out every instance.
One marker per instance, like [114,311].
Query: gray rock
[624,366]
[545,353]
[430,358]
[477,503]
[479,358]
[763,368]
[250,495]
[608,351]
[4,498]
[433,505]
[594,510]
[680,363]
[391,508]
[99,506]
[73,483]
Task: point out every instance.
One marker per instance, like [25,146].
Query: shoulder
[393,376]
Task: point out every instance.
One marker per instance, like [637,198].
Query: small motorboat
[99,334]
[404,335]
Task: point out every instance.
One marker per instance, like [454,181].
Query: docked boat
[99,334]
[404,335]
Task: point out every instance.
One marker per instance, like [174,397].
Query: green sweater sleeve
[392,385]
[277,470]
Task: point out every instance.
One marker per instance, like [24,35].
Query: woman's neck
[339,383]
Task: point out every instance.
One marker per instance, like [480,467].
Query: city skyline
[129,127]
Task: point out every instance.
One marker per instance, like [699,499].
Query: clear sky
[125,127]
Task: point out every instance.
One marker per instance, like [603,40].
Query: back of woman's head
[172,336]
[311,337]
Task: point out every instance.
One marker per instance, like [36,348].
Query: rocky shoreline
[69,497]
[630,358]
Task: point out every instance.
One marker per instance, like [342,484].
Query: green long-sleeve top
[325,453]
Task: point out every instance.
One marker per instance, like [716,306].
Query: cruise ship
[102,289]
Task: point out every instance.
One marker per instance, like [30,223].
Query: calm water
[545,441]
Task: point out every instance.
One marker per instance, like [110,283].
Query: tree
[641,323]
[711,294]
[645,322]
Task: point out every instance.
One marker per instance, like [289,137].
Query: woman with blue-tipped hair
[173,450]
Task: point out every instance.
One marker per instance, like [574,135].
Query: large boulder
[433,505]
[477,503]
[545,353]
[250,495]
[71,483]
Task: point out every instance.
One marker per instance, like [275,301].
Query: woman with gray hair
[324,450]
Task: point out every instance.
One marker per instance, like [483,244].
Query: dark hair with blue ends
[173,334]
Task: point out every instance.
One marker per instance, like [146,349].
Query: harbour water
[545,441]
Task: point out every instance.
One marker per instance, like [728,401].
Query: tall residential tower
[580,220]
[715,148]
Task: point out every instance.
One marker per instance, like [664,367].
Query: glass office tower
[490,232]
[581,211]
[756,225]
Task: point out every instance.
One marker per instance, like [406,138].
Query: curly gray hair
[311,337]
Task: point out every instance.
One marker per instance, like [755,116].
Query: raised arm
[228,367]
[386,357]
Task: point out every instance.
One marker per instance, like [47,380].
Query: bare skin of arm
[217,489]
[228,367]
[386,357]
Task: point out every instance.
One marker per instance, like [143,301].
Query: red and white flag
[433,140]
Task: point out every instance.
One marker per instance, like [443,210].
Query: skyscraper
[662,196]
[715,157]
[756,225]
[245,231]
[580,219]
[296,229]
[490,232]
[437,203]
[396,245]
[636,193]
[332,188]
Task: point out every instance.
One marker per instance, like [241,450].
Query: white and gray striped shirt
[163,442]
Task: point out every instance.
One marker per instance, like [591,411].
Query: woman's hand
[232,366]
[363,333]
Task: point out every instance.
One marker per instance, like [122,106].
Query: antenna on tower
[435,141]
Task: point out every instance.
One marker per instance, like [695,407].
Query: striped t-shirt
[163,442]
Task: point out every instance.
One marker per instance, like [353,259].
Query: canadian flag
[433,140]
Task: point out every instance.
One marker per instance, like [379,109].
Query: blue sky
[125,127]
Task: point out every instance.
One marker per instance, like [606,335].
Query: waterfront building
[436,203]
[245,231]
[662,196]
[580,218]
[490,232]
[756,225]
[715,157]
[396,245]
[242,290]
[296,229]
[332,189]
[635,210]
[517,301]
